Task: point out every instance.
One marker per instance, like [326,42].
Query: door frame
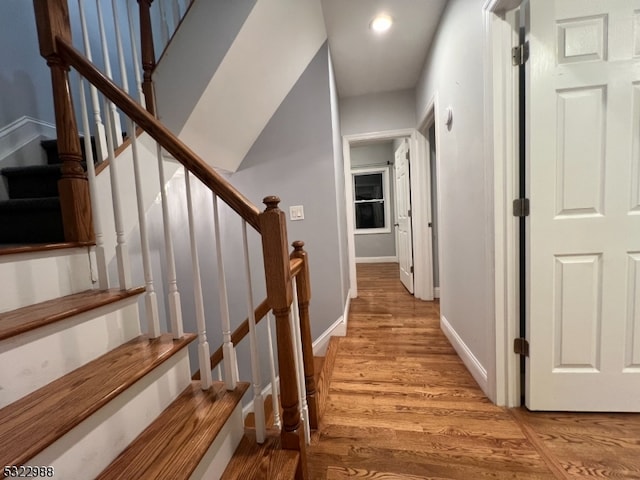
[501,150]
[426,120]
[423,275]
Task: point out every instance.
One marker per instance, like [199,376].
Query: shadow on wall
[18,97]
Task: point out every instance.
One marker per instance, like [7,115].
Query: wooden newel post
[279,293]
[52,21]
[148,55]
[303,287]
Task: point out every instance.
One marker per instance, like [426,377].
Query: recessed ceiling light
[381,23]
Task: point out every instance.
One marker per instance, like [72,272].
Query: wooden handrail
[242,331]
[296,265]
[232,197]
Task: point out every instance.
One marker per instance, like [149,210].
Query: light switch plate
[296,212]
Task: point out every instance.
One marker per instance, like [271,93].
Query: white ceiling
[366,62]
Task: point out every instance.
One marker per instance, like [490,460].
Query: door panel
[403,209]
[584,229]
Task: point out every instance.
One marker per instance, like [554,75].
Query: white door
[403,209]
[583,92]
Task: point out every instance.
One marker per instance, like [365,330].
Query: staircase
[32,214]
[92,397]
[101,385]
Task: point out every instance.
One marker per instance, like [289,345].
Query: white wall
[378,112]
[273,47]
[454,70]
[376,244]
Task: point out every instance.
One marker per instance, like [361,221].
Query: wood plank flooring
[401,405]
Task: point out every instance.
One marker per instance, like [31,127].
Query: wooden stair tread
[34,422]
[173,445]
[31,317]
[261,462]
[41,247]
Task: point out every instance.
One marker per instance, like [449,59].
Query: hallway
[402,405]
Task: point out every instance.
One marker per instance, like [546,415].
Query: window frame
[384,170]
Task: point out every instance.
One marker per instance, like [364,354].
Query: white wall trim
[436,292]
[430,117]
[501,134]
[418,208]
[474,366]
[390,259]
[337,329]
[21,132]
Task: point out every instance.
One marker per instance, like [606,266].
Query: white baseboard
[436,292]
[377,259]
[337,329]
[474,366]
[21,132]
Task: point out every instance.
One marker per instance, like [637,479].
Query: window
[371,205]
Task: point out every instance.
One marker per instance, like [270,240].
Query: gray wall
[294,159]
[378,112]
[208,31]
[25,82]
[338,160]
[373,155]
[454,69]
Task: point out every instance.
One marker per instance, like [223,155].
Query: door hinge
[409,213]
[521,207]
[411,268]
[521,346]
[520,54]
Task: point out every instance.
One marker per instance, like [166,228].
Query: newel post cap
[271,202]
[298,245]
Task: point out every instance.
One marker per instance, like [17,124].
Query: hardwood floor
[402,405]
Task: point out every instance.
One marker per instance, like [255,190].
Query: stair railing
[286,276]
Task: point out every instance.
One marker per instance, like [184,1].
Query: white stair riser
[36,358]
[29,278]
[219,454]
[90,447]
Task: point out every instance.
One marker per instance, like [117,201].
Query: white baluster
[219,373]
[100,136]
[175,309]
[164,25]
[258,401]
[299,363]
[151,301]
[111,111]
[228,352]
[137,65]
[275,390]
[175,10]
[122,254]
[103,277]
[203,345]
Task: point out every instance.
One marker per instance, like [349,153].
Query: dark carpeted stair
[32,213]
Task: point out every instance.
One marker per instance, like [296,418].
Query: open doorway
[417,201]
